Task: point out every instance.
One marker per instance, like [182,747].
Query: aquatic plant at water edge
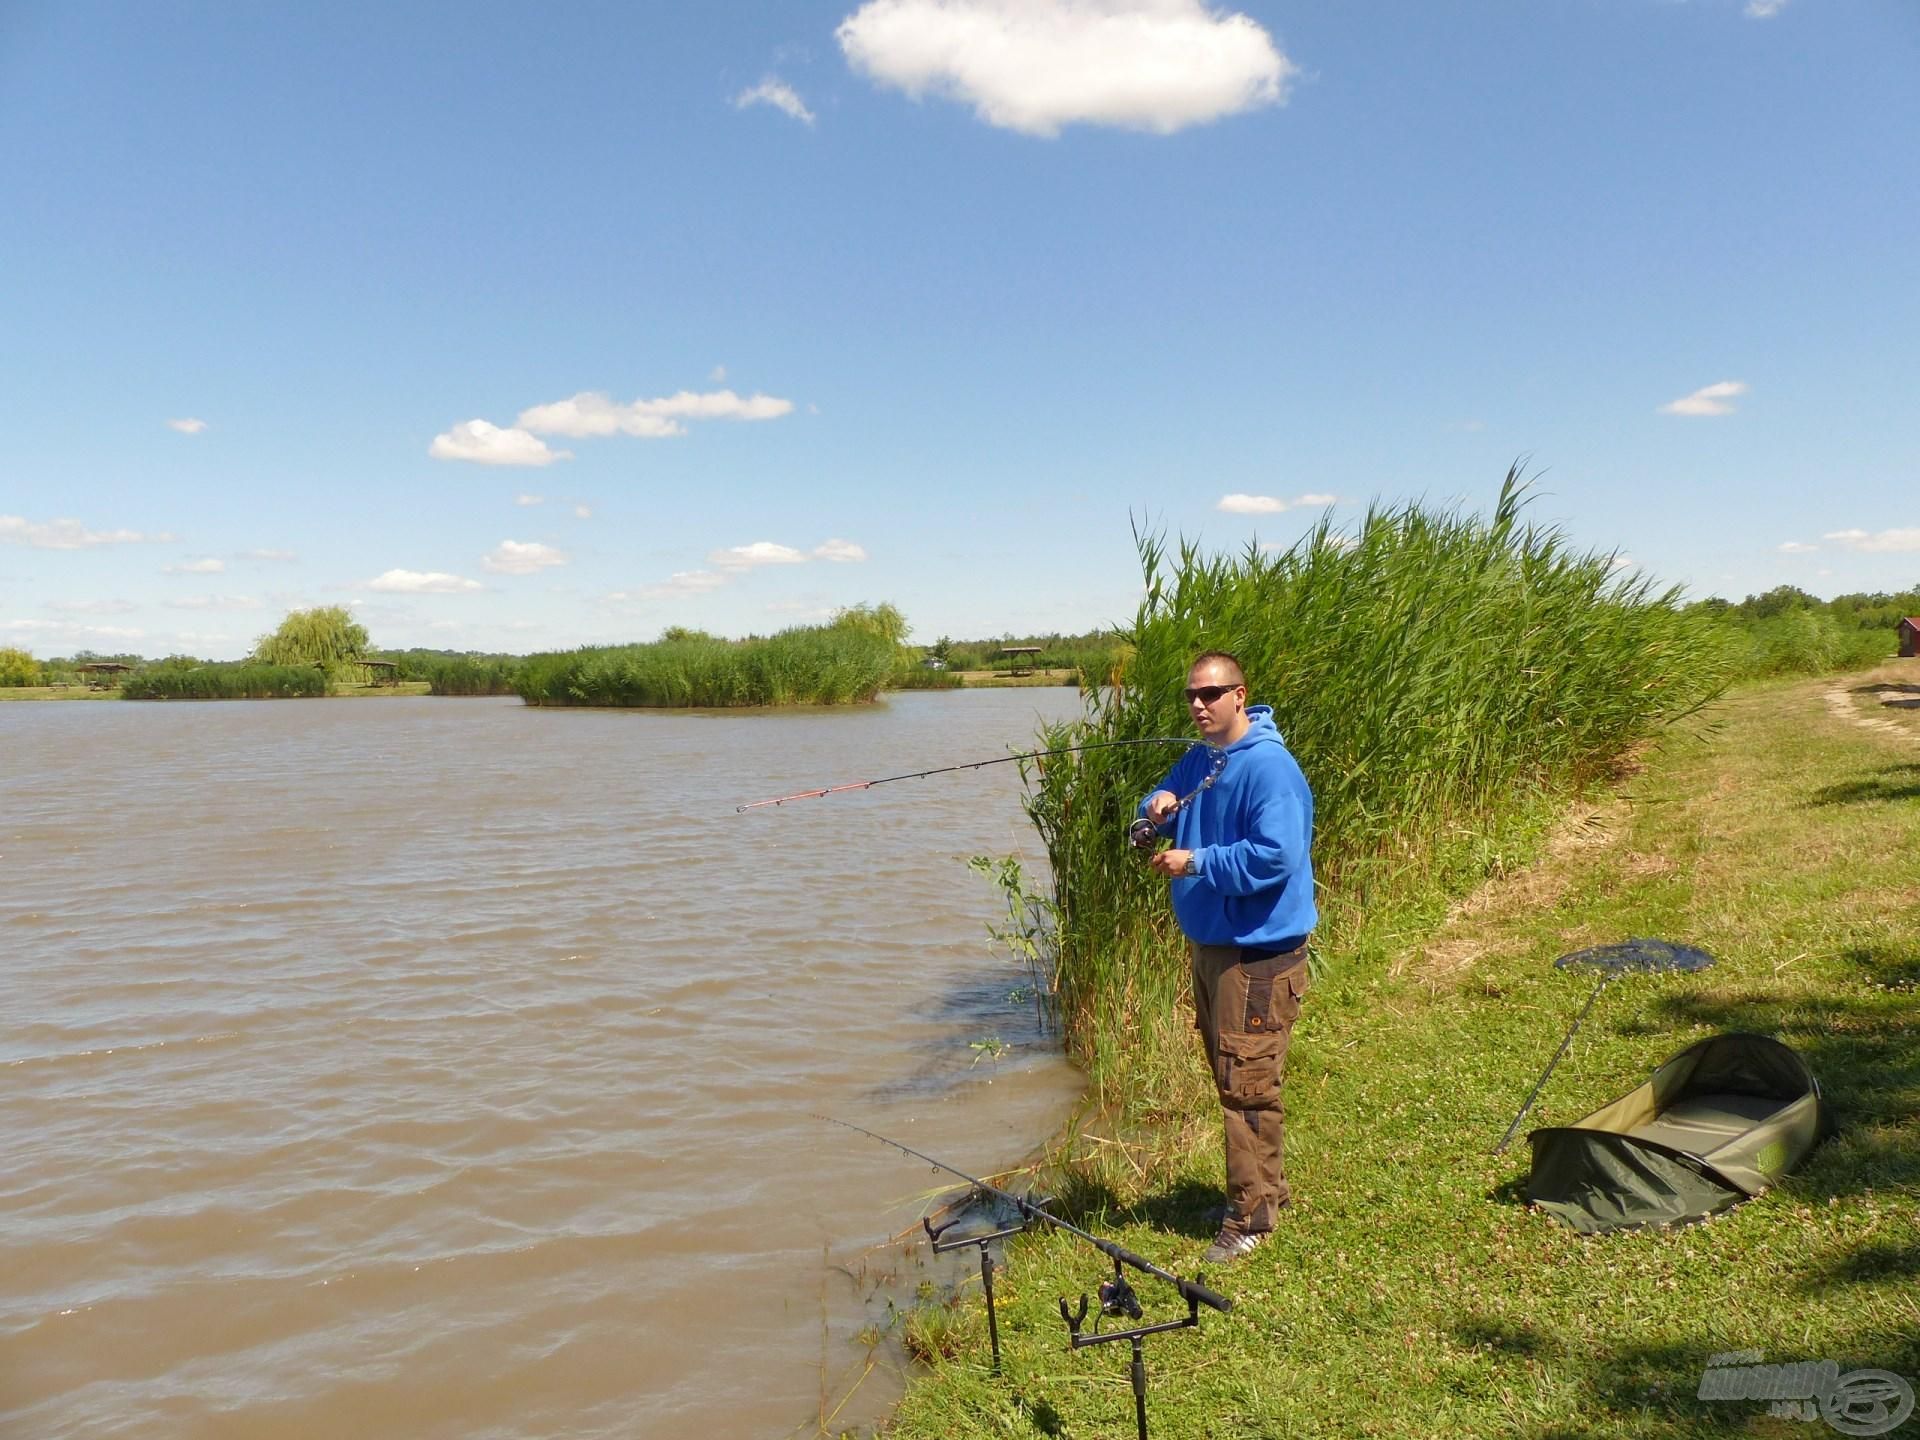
[184,679]
[1432,672]
[835,664]
[448,673]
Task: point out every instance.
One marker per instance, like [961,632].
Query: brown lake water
[424,1067]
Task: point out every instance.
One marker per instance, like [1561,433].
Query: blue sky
[522,326]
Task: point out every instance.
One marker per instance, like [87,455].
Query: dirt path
[1886,699]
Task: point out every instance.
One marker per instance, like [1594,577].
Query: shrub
[18,668]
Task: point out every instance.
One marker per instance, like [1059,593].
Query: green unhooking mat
[1715,1125]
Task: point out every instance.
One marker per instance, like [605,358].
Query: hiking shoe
[1231,1244]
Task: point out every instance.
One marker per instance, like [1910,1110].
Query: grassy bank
[56,692]
[838,664]
[1407,1292]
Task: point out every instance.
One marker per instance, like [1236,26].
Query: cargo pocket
[1288,1004]
[1247,1070]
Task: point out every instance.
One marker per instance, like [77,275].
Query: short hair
[1223,657]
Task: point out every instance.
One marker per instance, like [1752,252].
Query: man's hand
[1161,804]
[1170,863]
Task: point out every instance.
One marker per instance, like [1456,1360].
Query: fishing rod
[1030,1210]
[970,765]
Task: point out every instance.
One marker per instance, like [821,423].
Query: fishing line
[974,765]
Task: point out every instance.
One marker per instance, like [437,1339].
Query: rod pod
[940,1247]
[1137,1371]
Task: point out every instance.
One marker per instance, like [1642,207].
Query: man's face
[1217,718]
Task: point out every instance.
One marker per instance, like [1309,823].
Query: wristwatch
[1193,864]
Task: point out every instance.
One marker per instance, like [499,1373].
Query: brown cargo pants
[1245,1009]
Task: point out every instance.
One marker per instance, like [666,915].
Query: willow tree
[883,620]
[327,636]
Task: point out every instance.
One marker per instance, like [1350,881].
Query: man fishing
[1242,879]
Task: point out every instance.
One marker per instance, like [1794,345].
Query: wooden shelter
[103,674]
[1909,632]
[1022,657]
[381,672]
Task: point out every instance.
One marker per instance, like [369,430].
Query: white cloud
[529,499]
[213,602]
[1036,65]
[583,512]
[417,582]
[187,426]
[1884,542]
[92,607]
[63,628]
[485,444]
[1796,547]
[760,552]
[676,587]
[717,375]
[592,414]
[840,552]
[1621,562]
[67,534]
[279,556]
[209,566]
[777,93]
[522,557]
[1715,399]
[1237,504]
[1764,9]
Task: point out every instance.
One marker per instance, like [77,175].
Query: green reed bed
[911,675]
[241,681]
[1439,676]
[449,674]
[1804,642]
[839,664]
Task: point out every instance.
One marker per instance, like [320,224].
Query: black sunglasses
[1207,694]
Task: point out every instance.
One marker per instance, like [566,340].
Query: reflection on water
[447,1068]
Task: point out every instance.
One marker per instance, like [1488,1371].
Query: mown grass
[1445,680]
[1408,1292]
[68,691]
[837,664]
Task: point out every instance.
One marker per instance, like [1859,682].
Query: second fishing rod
[1190,1290]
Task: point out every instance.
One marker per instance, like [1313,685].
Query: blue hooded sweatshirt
[1251,835]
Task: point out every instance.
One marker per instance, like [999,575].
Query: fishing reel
[1143,834]
[1117,1297]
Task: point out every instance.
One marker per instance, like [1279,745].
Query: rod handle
[1193,1290]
